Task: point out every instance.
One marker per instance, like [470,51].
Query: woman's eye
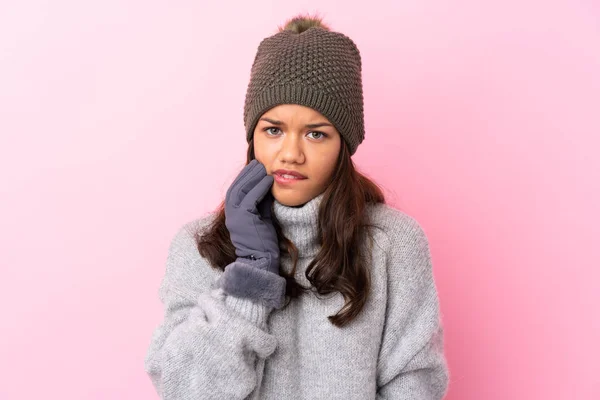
[267,129]
[319,133]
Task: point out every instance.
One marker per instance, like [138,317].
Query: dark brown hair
[343,223]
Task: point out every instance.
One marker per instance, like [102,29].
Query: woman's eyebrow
[275,122]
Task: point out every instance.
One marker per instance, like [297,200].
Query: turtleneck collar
[299,224]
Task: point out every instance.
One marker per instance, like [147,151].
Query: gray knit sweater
[213,346]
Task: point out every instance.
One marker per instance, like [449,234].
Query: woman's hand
[248,217]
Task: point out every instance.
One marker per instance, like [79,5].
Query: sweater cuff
[245,281]
[249,309]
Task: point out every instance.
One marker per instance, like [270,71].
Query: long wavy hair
[340,265]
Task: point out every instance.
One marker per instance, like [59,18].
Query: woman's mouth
[286,179]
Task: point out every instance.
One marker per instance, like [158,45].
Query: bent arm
[209,345]
[208,348]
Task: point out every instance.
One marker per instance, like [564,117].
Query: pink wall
[121,120]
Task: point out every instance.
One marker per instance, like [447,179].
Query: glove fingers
[246,182]
[248,213]
[245,171]
[265,205]
[257,194]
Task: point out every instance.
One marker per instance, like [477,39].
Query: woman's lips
[286,180]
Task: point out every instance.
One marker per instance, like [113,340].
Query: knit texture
[216,346]
[316,68]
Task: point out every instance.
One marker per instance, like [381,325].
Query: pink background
[121,120]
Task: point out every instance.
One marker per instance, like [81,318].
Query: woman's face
[300,139]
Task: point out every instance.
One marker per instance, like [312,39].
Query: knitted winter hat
[306,63]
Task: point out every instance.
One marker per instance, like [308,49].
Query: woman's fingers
[257,194]
[247,181]
[246,170]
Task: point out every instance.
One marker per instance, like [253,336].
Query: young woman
[303,284]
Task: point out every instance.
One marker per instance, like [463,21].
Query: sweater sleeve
[411,362]
[209,345]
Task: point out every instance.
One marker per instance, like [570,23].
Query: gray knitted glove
[255,273]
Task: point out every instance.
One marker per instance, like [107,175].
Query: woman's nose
[291,148]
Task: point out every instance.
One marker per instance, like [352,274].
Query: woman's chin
[290,199]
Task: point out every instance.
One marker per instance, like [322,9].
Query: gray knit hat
[310,65]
